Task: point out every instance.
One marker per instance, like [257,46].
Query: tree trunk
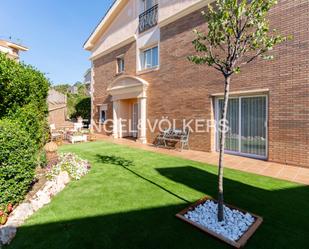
[221,153]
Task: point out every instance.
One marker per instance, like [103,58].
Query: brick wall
[57,116]
[182,90]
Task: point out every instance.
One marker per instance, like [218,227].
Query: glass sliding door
[247,121]
[253,126]
[232,136]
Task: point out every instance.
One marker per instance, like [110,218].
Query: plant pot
[51,157]
[92,137]
[238,243]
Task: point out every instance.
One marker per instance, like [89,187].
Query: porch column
[142,109]
[115,118]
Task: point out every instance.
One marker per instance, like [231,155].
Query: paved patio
[276,170]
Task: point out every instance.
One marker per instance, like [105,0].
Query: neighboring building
[87,77]
[87,80]
[73,90]
[57,108]
[11,49]
[141,72]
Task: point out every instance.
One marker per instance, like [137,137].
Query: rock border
[237,244]
[28,208]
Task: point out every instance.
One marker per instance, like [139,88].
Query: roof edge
[109,16]
[14,45]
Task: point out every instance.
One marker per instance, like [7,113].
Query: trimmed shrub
[21,85]
[33,121]
[18,155]
[23,129]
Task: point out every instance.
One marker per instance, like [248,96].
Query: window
[149,15]
[102,113]
[102,116]
[147,4]
[120,64]
[247,121]
[150,58]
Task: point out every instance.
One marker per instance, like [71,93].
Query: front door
[135,120]
[247,121]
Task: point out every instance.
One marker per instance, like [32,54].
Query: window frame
[100,116]
[239,153]
[120,67]
[143,60]
[102,108]
[144,4]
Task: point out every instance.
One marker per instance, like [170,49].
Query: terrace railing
[148,19]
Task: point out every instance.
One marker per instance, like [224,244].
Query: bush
[17,162]
[21,85]
[82,109]
[23,129]
[33,121]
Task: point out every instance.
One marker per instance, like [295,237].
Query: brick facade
[181,90]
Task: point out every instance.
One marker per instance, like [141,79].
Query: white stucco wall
[6,50]
[169,8]
[125,25]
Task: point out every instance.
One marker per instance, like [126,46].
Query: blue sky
[54,31]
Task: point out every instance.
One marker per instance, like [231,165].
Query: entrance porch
[129,96]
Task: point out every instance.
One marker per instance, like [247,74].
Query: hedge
[17,162]
[21,85]
[23,126]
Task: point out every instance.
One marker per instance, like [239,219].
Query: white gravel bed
[235,223]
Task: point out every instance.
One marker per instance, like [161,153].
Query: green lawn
[119,205]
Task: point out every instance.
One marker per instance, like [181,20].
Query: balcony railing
[148,19]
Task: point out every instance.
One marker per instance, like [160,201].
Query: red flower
[10,208]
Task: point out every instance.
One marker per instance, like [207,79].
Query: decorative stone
[235,223]
[7,233]
[41,198]
[63,178]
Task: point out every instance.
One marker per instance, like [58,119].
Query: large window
[149,15]
[150,58]
[247,121]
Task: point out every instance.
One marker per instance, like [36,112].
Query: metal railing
[148,19]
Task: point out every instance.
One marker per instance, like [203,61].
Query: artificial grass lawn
[119,205]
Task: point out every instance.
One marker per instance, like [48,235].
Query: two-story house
[140,72]
[11,49]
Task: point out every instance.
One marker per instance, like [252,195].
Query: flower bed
[238,225]
[70,167]
[70,163]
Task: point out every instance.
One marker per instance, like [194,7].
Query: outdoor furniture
[55,135]
[170,137]
[73,138]
[78,126]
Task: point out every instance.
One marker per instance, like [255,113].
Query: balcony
[148,19]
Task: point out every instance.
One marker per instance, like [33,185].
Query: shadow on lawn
[285,212]
[120,161]
[155,228]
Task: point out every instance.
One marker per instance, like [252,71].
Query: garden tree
[238,33]
[83,109]
[77,103]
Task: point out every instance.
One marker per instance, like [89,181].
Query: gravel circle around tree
[235,223]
